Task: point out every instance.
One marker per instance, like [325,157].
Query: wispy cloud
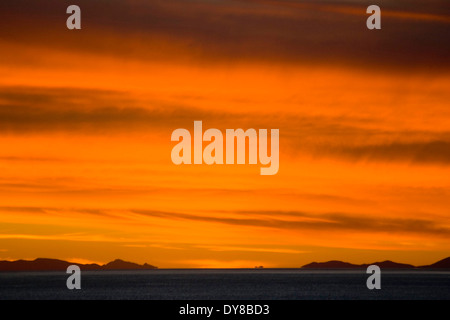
[415,152]
[62,237]
[32,110]
[327,221]
[252,249]
[282,220]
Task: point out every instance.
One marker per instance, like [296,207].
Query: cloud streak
[323,222]
[283,220]
[38,110]
[428,152]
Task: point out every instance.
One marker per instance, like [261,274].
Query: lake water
[237,284]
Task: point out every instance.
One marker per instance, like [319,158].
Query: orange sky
[86,118]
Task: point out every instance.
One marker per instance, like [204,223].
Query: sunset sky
[86,118]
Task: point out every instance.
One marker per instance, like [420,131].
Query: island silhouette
[335,264]
[45,264]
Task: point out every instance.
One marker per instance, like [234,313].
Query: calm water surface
[248,284]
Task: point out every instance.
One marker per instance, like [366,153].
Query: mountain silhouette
[44,264]
[335,264]
[390,265]
[124,265]
[441,264]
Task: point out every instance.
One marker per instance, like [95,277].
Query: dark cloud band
[286,32]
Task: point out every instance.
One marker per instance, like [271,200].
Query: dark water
[264,284]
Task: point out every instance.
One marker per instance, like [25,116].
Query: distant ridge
[124,265]
[335,264]
[391,265]
[441,264]
[44,264]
